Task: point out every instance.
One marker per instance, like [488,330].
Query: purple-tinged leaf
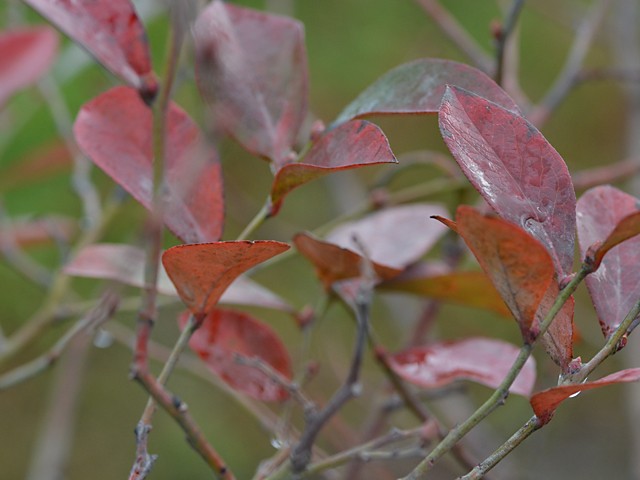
[114,130]
[470,289]
[202,272]
[514,168]
[253,65]
[482,360]
[546,402]
[111,31]
[417,88]
[608,218]
[224,335]
[352,145]
[27,54]
[125,264]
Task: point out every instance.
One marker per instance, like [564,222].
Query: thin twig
[503,37]
[457,34]
[573,65]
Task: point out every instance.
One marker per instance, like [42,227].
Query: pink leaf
[202,272]
[224,334]
[254,66]
[114,129]
[606,218]
[125,264]
[352,145]
[31,232]
[111,31]
[27,54]
[514,168]
[417,88]
[481,360]
[546,402]
[522,271]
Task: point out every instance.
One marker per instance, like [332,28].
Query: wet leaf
[546,402]
[253,65]
[114,130]
[202,272]
[27,54]
[125,264]
[608,218]
[482,360]
[522,271]
[514,168]
[224,334]
[352,145]
[417,88]
[470,289]
[111,31]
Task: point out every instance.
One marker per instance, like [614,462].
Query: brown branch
[502,37]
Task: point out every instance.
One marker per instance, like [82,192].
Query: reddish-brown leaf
[114,129]
[27,54]
[606,218]
[482,360]
[417,88]
[32,232]
[514,168]
[226,334]
[125,264]
[45,160]
[254,65]
[352,145]
[470,289]
[546,402]
[202,272]
[111,31]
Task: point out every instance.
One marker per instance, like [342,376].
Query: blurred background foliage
[350,44]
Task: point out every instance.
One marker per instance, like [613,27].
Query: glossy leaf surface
[470,289]
[523,273]
[352,145]
[608,218]
[27,54]
[254,66]
[417,88]
[224,334]
[202,272]
[111,31]
[546,402]
[115,131]
[125,264]
[515,169]
[482,360]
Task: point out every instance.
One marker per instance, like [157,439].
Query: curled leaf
[514,168]
[226,334]
[608,218]
[482,360]
[202,272]
[114,130]
[352,145]
[546,402]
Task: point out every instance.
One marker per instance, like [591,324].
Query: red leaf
[546,402]
[227,333]
[114,129]
[393,238]
[352,145]
[111,31]
[125,264]
[514,168]
[522,272]
[202,272]
[46,160]
[27,54]
[254,66]
[417,88]
[32,232]
[606,218]
[482,360]
[470,289]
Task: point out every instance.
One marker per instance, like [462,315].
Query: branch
[502,37]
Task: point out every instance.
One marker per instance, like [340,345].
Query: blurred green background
[350,44]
